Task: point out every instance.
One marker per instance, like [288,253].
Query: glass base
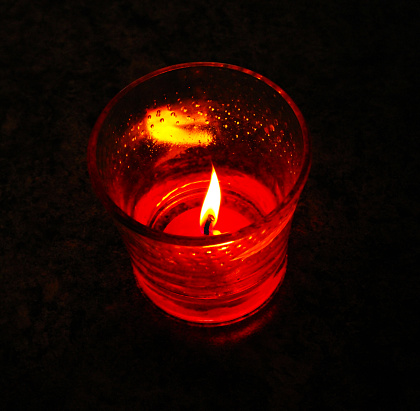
[222,310]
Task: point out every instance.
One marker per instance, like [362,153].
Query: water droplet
[151,125]
[177,122]
[162,120]
[158,113]
[149,116]
[173,114]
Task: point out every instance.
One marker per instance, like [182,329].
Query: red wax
[188,223]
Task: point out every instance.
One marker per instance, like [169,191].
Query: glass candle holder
[151,158]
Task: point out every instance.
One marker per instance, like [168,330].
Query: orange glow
[177,126]
[211,204]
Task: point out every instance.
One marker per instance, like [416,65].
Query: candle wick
[209,220]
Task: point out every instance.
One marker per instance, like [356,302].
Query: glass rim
[146,231]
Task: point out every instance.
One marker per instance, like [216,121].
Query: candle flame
[211,204]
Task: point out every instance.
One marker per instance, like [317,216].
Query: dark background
[76,333]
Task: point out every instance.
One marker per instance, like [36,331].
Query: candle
[187,223]
[206,248]
[191,222]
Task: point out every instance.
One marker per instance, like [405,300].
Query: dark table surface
[76,332]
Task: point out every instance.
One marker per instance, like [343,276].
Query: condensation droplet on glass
[162,120]
[151,125]
[149,116]
[158,113]
[177,122]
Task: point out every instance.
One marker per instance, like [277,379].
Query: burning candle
[207,245]
[192,222]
